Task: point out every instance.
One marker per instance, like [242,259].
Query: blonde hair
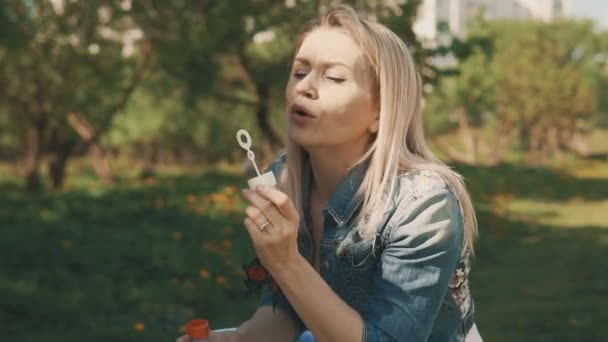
[397,91]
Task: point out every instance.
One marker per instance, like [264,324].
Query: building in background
[455,13]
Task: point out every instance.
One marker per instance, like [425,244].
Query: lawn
[133,262]
[540,273]
[130,263]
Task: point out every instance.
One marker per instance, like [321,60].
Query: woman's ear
[375,124]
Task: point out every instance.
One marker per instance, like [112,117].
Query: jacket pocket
[361,255]
[358,266]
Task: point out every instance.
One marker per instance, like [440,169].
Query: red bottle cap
[198,328]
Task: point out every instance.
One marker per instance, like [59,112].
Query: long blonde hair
[397,91]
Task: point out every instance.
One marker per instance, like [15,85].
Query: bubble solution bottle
[197,330]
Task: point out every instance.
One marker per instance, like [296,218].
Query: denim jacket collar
[343,202]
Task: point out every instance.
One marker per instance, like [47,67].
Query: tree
[81,61]
[71,66]
[246,62]
[530,81]
[543,90]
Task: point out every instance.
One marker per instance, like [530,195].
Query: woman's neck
[330,165]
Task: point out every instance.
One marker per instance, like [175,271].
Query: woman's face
[329,95]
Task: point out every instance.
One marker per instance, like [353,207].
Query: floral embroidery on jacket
[257,277]
[459,284]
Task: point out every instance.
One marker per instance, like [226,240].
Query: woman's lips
[300,118]
[300,114]
[301,110]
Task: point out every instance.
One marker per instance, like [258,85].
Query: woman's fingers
[280,200]
[270,212]
[182,339]
[253,230]
[257,216]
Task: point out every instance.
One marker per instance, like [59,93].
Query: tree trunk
[467,135]
[57,167]
[59,151]
[151,158]
[263,93]
[535,137]
[101,165]
[502,138]
[577,144]
[33,155]
[316,4]
[90,136]
[552,144]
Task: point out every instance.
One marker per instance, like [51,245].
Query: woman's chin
[298,137]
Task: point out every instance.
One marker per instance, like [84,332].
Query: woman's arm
[266,325]
[315,303]
[327,316]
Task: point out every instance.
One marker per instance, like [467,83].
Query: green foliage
[544,61]
[166,124]
[79,58]
[198,78]
[11,131]
[540,81]
[17,21]
[69,63]
[238,71]
[143,117]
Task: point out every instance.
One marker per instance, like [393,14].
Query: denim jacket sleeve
[424,238]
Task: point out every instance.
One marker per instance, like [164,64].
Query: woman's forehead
[329,46]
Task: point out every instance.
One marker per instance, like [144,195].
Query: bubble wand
[244,140]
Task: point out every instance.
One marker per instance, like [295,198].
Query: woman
[368,235]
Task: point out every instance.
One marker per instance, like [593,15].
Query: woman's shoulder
[426,207]
[420,191]
[415,184]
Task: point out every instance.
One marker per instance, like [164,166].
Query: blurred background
[120,213]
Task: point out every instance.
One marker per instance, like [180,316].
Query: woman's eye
[336,79]
[299,75]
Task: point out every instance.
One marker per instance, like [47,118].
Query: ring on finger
[262,227]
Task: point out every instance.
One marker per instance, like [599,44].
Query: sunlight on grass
[575,213]
[598,170]
[598,141]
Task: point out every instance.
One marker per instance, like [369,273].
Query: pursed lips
[301,110]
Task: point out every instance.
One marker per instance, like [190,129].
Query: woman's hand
[272,223]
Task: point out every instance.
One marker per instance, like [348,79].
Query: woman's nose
[306,88]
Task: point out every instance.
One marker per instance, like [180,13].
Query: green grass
[540,273]
[135,261]
[91,265]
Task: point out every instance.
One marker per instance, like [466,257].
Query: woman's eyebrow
[323,64]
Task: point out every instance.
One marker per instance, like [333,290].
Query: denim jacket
[410,282]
